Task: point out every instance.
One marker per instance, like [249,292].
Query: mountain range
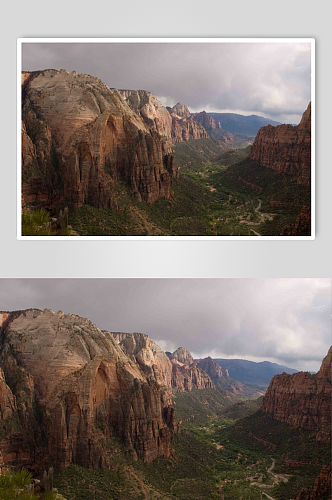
[240,124]
[259,373]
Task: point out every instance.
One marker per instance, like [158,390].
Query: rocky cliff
[180,110]
[181,355]
[302,225]
[186,374]
[176,372]
[173,127]
[321,489]
[80,138]
[67,388]
[213,369]
[286,148]
[154,114]
[184,129]
[150,357]
[207,121]
[302,400]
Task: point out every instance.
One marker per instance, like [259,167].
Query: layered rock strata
[302,400]
[176,372]
[87,137]
[71,388]
[286,148]
[213,369]
[184,129]
[207,121]
[180,110]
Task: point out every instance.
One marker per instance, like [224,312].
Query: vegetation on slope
[211,196]
[17,485]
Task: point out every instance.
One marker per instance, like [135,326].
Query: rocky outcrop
[321,489]
[150,357]
[184,129]
[285,148]
[302,226]
[75,389]
[181,355]
[154,114]
[87,138]
[213,369]
[207,121]
[176,372]
[186,374]
[173,127]
[302,400]
[180,110]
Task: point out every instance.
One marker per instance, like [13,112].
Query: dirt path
[270,469]
[268,496]
[257,209]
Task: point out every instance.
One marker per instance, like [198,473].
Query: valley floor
[246,458]
[212,197]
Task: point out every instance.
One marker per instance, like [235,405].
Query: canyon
[76,397]
[124,164]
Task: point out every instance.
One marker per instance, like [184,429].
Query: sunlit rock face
[302,400]
[286,148]
[85,137]
[177,372]
[70,388]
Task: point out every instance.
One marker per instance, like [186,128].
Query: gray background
[182,18]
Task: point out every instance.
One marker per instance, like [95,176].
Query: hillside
[250,371]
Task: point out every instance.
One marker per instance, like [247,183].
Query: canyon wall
[67,388]
[213,369]
[286,148]
[80,138]
[302,400]
[173,124]
[321,489]
[176,372]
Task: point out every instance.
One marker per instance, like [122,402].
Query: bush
[36,223]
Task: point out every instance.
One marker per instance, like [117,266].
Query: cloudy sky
[287,321]
[268,79]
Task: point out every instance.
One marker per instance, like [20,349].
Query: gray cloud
[283,320]
[270,79]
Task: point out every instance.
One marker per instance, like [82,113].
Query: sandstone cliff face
[321,489]
[175,372]
[181,355]
[180,110]
[286,148]
[302,226]
[150,357]
[184,129]
[87,138]
[207,121]
[212,368]
[186,374]
[302,400]
[7,399]
[75,388]
[151,110]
